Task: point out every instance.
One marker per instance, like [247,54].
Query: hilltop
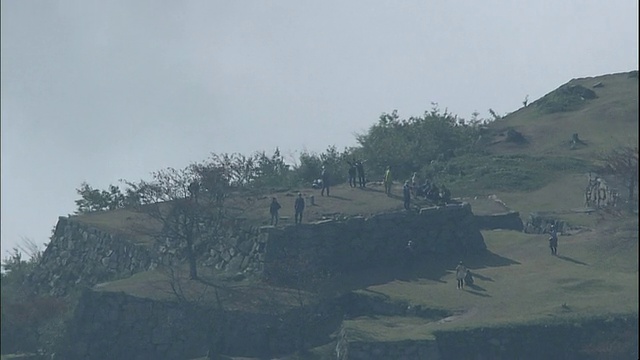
[607,120]
[522,162]
[596,272]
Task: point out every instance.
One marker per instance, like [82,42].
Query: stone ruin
[598,194]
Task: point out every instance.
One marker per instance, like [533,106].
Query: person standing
[553,240]
[299,208]
[273,209]
[406,194]
[325,180]
[387,181]
[360,171]
[414,183]
[194,189]
[352,173]
[461,272]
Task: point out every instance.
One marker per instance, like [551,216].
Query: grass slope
[595,273]
[609,120]
[517,280]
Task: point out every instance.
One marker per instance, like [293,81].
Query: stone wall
[108,325]
[334,247]
[80,255]
[83,255]
[509,221]
[408,349]
[598,338]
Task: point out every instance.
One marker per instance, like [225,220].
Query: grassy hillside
[608,120]
[517,281]
[596,271]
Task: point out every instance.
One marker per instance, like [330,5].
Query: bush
[565,98]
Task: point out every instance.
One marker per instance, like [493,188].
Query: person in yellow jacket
[387,181]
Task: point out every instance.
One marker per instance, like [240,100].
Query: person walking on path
[406,194]
[299,208]
[461,272]
[360,171]
[352,173]
[387,181]
[273,209]
[553,240]
[325,180]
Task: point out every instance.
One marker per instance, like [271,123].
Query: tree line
[407,145]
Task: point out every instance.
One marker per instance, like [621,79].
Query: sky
[99,91]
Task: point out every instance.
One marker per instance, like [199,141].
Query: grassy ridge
[529,286]
[517,281]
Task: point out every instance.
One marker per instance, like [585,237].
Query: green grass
[591,276]
[518,281]
[479,175]
[603,123]
[565,98]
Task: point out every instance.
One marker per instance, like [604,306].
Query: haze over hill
[521,294]
[584,297]
[98,91]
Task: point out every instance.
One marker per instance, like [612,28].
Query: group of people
[298,208]
[356,173]
[430,191]
[463,276]
[357,178]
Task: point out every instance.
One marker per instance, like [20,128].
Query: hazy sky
[97,91]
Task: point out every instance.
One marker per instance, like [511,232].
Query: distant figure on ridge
[553,240]
[406,194]
[352,173]
[299,208]
[387,181]
[424,189]
[325,180]
[273,209]
[360,171]
[194,189]
[461,272]
[414,184]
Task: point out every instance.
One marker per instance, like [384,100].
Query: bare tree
[188,217]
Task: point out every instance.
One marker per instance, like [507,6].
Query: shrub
[565,98]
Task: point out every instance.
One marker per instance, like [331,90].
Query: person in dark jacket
[194,189]
[406,193]
[387,181]
[360,171]
[299,208]
[553,240]
[461,272]
[325,181]
[273,209]
[352,173]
